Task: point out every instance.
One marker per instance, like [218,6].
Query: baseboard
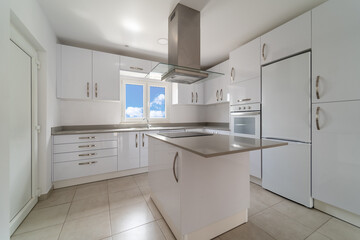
[46,195]
[256,180]
[17,220]
[100,177]
[338,212]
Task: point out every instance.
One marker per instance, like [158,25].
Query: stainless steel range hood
[183,48]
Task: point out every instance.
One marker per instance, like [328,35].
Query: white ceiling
[132,27]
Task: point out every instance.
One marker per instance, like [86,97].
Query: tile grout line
[62,227]
[319,228]
[108,194]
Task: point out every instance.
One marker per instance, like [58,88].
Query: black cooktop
[183,134]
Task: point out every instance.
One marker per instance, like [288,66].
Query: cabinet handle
[87,154]
[197,97]
[96,90]
[136,68]
[136,140]
[221,94]
[217,95]
[88,163]
[263,51]
[317,118]
[174,163]
[232,74]
[92,137]
[317,87]
[87,89]
[87,146]
[143,143]
[244,100]
[192,97]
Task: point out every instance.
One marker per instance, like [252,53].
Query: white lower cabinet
[335,154]
[129,153]
[144,148]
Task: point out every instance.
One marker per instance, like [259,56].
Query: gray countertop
[84,129]
[218,145]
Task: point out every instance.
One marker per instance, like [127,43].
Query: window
[144,99]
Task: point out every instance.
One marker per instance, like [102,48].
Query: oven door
[245,124]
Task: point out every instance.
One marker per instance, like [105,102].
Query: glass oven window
[244,125]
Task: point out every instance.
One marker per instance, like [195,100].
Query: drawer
[245,92]
[78,138]
[82,168]
[72,156]
[135,64]
[76,147]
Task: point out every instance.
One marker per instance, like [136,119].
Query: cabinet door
[224,82]
[244,62]
[144,141]
[198,89]
[75,73]
[106,76]
[211,91]
[335,154]
[288,39]
[183,93]
[245,92]
[135,64]
[128,154]
[336,51]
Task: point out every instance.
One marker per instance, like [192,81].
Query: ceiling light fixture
[162,41]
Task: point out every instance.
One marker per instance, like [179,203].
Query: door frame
[17,38]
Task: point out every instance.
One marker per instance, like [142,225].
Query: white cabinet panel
[82,168]
[217,90]
[65,157]
[82,138]
[106,76]
[245,92]
[288,39]
[135,64]
[211,88]
[188,93]
[335,155]
[244,62]
[75,74]
[144,155]
[74,147]
[198,90]
[129,145]
[255,163]
[336,51]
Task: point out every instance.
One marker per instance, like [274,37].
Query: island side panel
[213,190]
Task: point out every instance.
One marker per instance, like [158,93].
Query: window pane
[157,102]
[134,101]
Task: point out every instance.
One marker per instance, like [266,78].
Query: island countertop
[218,145]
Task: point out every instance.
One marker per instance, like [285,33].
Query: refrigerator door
[286,102]
[286,171]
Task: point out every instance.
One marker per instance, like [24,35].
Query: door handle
[87,89]
[244,100]
[92,137]
[232,74]
[96,90]
[263,51]
[136,140]
[221,95]
[192,97]
[143,136]
[317,118]
[317,87]
[174,163]
[217,95]
[87,154]
[87,146]
[88,163]
[137,68]
[197,97]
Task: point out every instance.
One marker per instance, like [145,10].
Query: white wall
[4,109]
[217,112]
[29,18]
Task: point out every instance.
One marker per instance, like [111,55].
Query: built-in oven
[245,122]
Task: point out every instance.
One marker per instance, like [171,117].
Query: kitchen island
[201,185]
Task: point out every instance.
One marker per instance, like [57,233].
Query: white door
[288,39]
[287,172]
[185,93]
[336,51]
[335,154]
[198,89]
[224,82]
[106,76]
[129,150]
[286,99]
[23,136]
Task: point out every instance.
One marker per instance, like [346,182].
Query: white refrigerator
[286,116]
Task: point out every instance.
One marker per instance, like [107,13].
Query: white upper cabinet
[198,91]
[106,76]
[336,51]
[74,74]
[245,92]
[188,93]
[244,62]
[288,39]
[135,64]
[217,90]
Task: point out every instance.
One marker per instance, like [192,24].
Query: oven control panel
[245,107]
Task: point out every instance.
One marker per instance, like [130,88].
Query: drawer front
[72,156]
[81,138]
[76,147]
[75,169]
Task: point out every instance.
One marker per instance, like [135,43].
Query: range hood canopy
[183,48]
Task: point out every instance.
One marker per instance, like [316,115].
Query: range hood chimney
[183,49]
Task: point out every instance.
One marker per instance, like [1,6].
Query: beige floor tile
[128,217]
[280,226]
[248,231]
[256,206]
[267,197]
[309,217]
[90,190]
[150,231]
[57,197]
[154,210]
[49,233]
[339,230]
[216,238]
[145,189]
[317,236]
[165,229]
[141,179]
[120,184]
[44,217]
[89,206]
[126,197]
[94,227]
